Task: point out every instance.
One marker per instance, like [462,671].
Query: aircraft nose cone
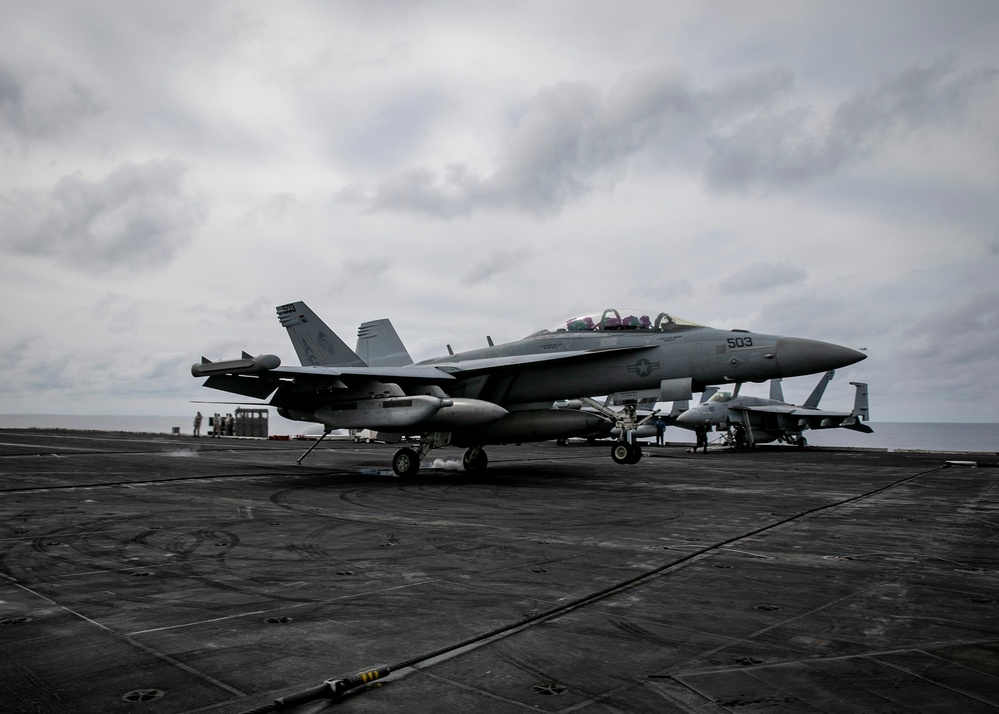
[691,417]
[797,356]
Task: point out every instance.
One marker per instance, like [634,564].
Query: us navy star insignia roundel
[643,368]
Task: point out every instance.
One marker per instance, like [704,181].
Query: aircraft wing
[258,377]
[812,418]
[511,363]
[329,374]
[796,411]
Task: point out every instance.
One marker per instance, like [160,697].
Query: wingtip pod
[247,364]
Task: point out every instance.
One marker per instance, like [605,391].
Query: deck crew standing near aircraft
[702,440]
[197,424]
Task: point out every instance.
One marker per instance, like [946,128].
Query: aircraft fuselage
[699,355]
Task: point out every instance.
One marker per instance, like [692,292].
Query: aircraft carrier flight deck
[167,574]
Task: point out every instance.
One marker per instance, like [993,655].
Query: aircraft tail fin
[813,399]
[379,345]
[776,391]
[315,343]
[678,408]
[861,406]
[708,393]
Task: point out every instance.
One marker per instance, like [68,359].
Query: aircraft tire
[406,462]
[621,453]
[625,453]
[476,463]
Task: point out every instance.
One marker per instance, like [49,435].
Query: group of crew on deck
[221,425]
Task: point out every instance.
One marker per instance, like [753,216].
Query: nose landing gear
[626,453]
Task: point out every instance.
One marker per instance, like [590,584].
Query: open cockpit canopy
[613,319]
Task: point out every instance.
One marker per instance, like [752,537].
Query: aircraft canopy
[619,319]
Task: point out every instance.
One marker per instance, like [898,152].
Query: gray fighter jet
[753,420]
[505,393]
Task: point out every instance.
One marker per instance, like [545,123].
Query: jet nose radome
[797,356]
[691,417]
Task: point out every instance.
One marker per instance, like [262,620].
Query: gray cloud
[971,324]
[43,103]
[571,138]
[495,264]
[386,137]
[662,151]
[768,150]
[136,217]
[947,357]
[762,276]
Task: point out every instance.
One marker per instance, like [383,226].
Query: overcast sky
[172,171]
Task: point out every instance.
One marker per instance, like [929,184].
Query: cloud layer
[174,171]
[135,218]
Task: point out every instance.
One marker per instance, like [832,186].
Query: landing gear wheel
[625,453]
[801,442]
[406,462]
[475,460]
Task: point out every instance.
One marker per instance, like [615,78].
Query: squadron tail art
[505,393]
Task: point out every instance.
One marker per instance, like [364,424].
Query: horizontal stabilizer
[253,387]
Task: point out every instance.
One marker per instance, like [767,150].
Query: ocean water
[144,424]
[899,436]
[902,436]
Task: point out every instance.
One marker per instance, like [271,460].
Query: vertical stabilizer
[315,343]
[861,408]
[379,345]
[679,407]
[776,391]
[813,399]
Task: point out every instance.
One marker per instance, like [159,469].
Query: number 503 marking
[740,342]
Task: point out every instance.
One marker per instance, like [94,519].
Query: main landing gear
[406,461]
[475,460]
